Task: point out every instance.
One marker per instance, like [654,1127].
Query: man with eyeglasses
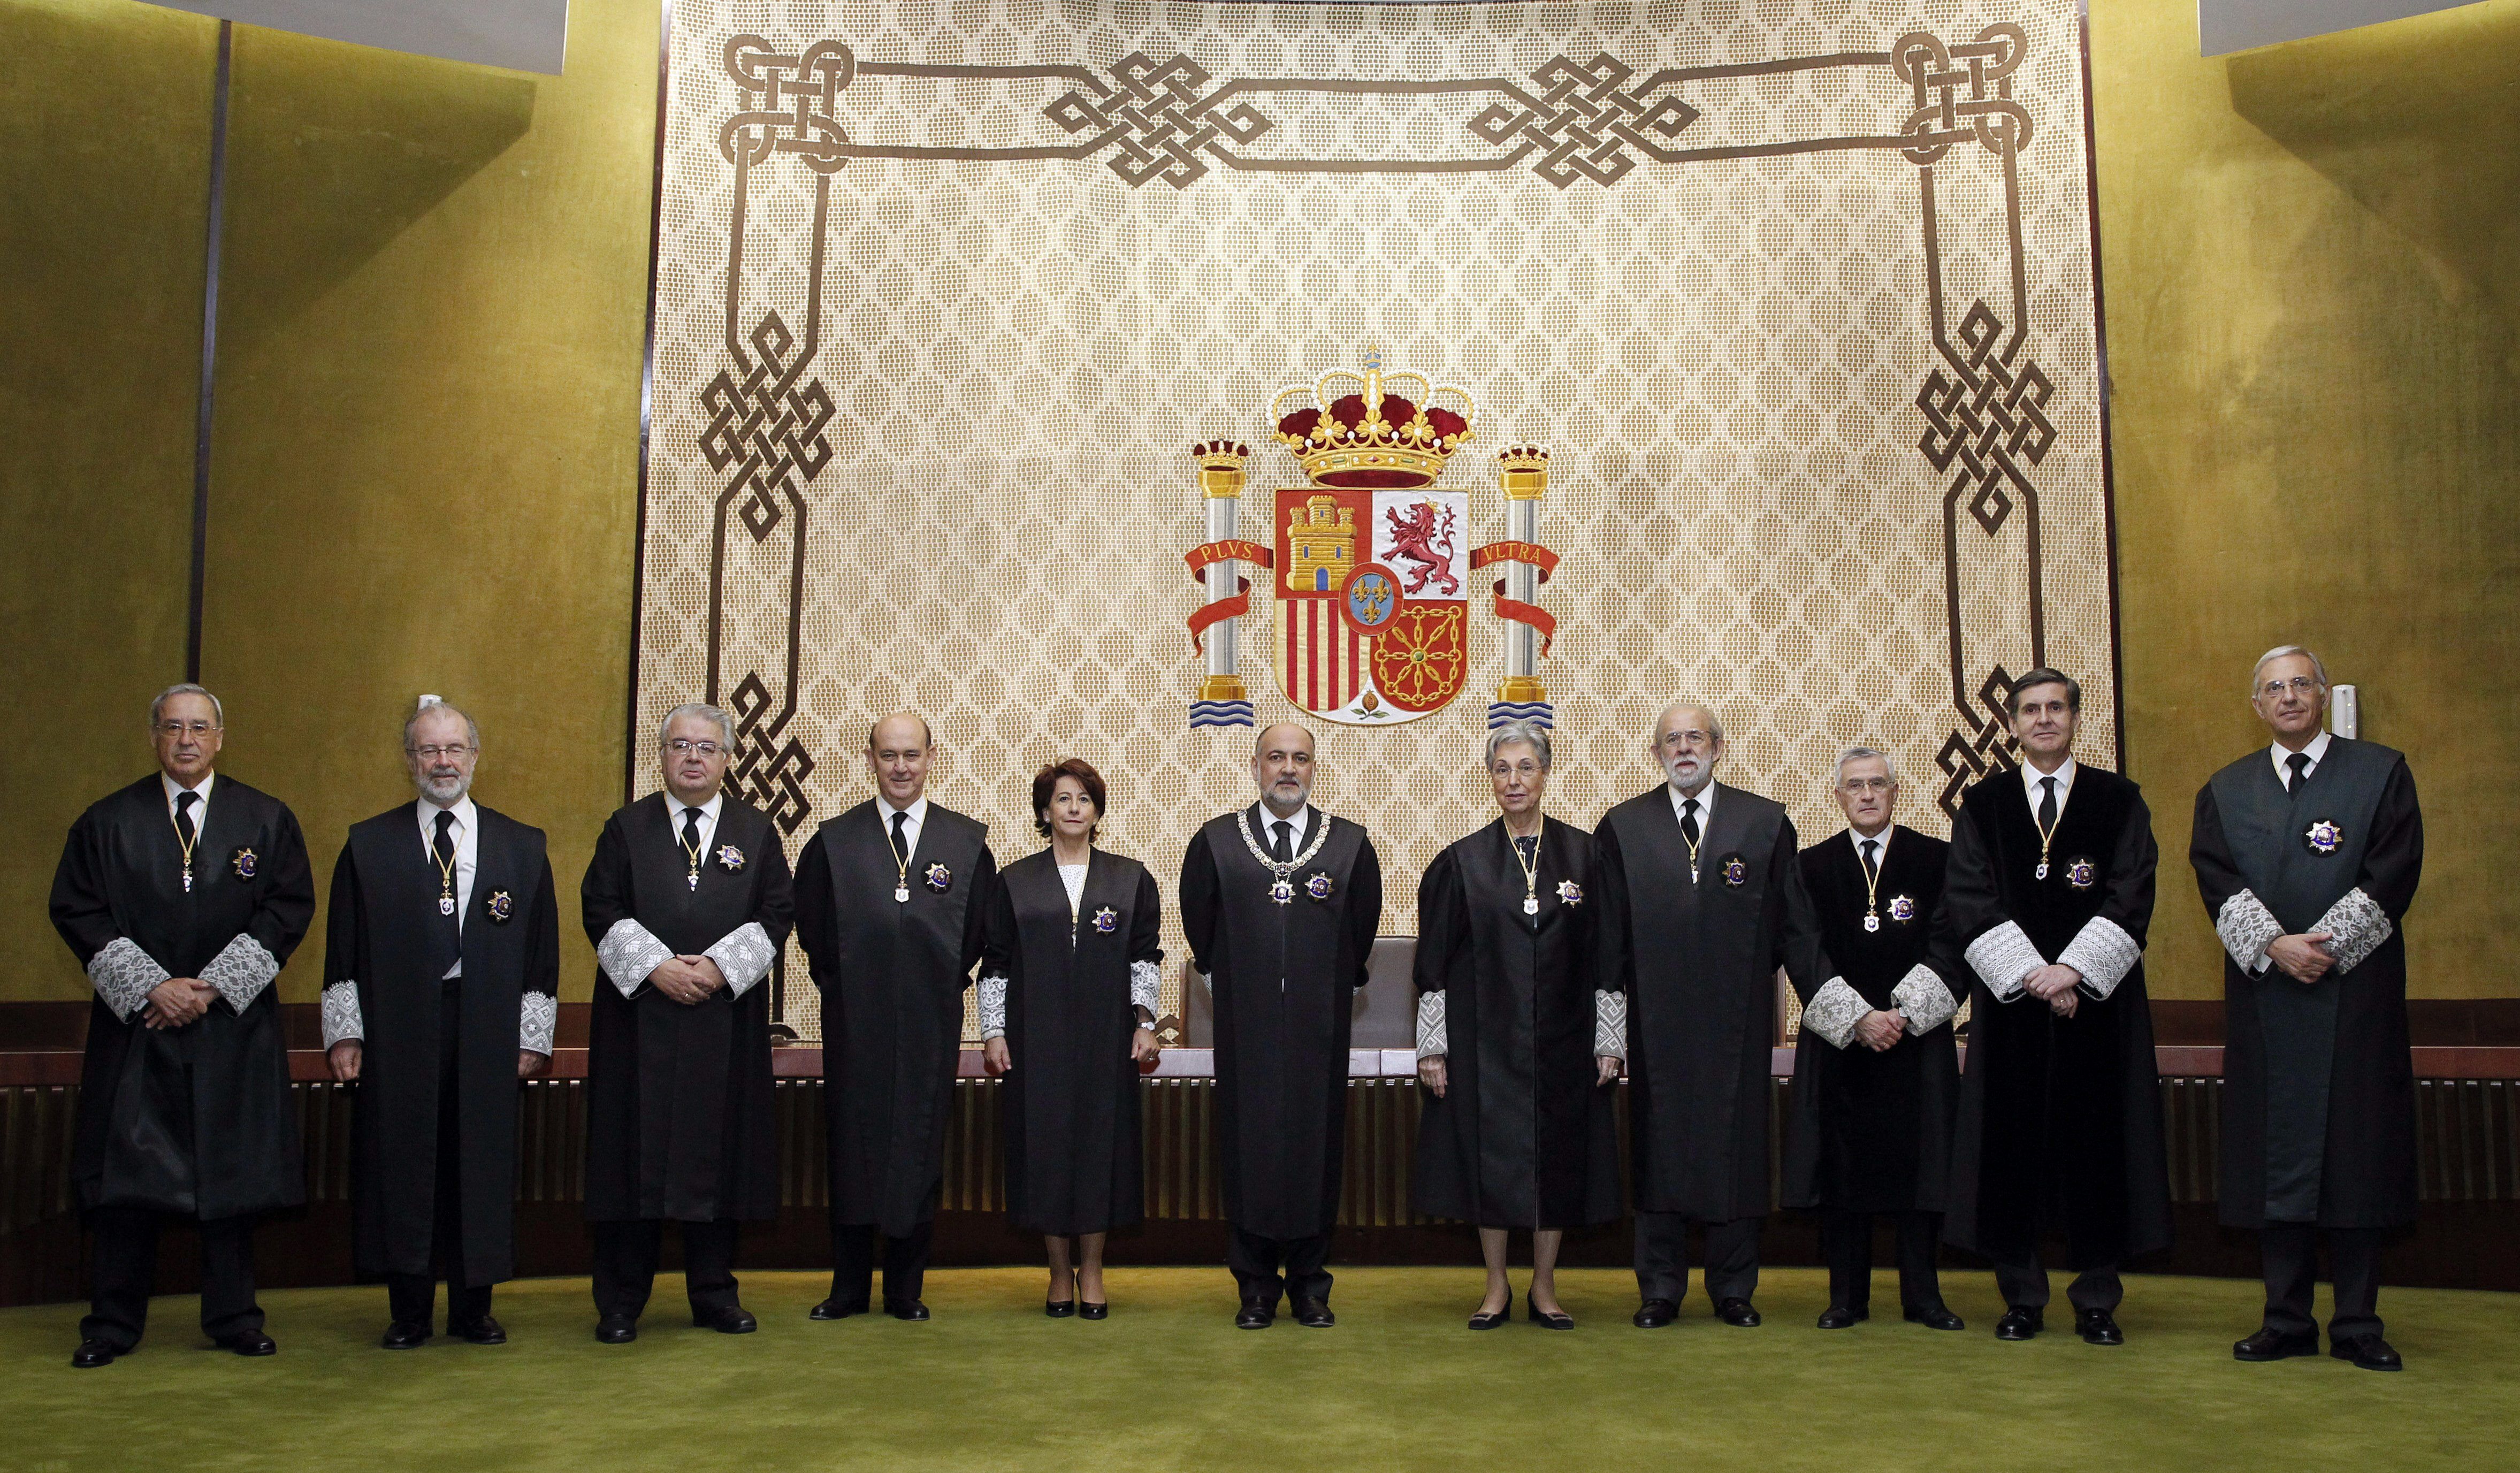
[2308,853]
[1703,900]
[2051,889]
[441,973]
[182,895]
[891,900]
[1876,1075]
[688,901]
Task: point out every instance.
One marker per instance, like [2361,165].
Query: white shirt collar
[1705,797]
[2316,752]
[1302,822]
[2064,776]
[201,789]
[466,815]
[917,812]
[1859,840]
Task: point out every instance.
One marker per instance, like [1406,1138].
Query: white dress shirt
[2316,752]
[200,791]
[2032,777]
[1880,856]
[674,808]
[467,854]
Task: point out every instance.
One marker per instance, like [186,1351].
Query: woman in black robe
[1515,1047]
[1068,978]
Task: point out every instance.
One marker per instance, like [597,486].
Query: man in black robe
[2308,855]
[1877,1076]
[441,975]
[1703,902]
[892,899]
[1279,903]
[182,895]
[2050,893]
[688,901]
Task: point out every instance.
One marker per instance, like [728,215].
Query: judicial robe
[384,936]
[2318,1088]
[1068,1110]
[2057,1112]
[891,976]
[194,1120]
[1697,960]
[1284,979]
[678,1098]
[1872,1131]
[1523,1135]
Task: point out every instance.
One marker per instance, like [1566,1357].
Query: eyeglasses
[184,728]
[683,747]
[1688,740]
[1866,785]
[2299,684]
[433,752]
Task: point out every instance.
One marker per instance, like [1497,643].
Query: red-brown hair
[1046,782]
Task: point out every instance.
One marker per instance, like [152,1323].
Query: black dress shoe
[2020,1322]
[92,1354]
[405,1334]
[1936,1317]
[734,1319]
[1315,1313]
[2370,1352]
[1255,1315]
[616,1329]
[487,1330]
[2275,1345]
[1059,1309]
[1547,1320]
[1087,1309]
[1838,1316]
[906,1309]
[250,1343]
[2097,1327]
[1738,1314]
[1654,1313]
[837,1309]
[1485,1321]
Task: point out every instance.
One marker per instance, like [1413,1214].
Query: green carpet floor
[1168,1383]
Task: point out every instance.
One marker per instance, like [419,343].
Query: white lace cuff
[2356,926]
[993,1009]
[743,956]
[2003,959]
[342,1023]
[241,972]
[535,1022]
[1925,998]
[1430,1025]
[1610,1024]
[1146,990]
[2104,953]
[2247,929]
[1833,1011]
[124,976]
[628,953]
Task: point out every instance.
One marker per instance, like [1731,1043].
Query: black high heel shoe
[1557,1320]
[1087,1309]
[1059,1309]
[1487,1321]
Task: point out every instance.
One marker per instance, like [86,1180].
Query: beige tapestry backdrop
[1798,295]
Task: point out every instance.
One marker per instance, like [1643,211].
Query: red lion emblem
[1420,538]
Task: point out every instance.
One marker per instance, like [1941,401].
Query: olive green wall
[2312,268]
[426,454]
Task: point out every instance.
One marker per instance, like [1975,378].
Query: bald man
[1281,903]
[891,898]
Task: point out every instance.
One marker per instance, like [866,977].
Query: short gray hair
[2316,668]
[429,703]
[724,723]
[218,713]
[1714,722]
[1530,734]
[1888,762]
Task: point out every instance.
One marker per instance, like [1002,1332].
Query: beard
[1686,771]
[445,792]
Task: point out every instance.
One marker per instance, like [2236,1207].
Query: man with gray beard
[441,972]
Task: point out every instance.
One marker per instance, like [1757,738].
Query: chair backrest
[1386,1008]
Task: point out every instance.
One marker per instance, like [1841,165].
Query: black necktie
[901,837]
[2299,762]
[1872,862]
[184,829]
[1528,845]
[2047,804]
[691,839]
[1689,822]
[443,846]
[1284,851]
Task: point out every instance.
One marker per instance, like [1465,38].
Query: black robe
[1284,979]
[1524,1135]
[1698,963]
[678,1098]
[384,934]
[194,1120]
[1068,1110]
[2058,1115]
[891,976]
[2318,1087]
[1872,1131]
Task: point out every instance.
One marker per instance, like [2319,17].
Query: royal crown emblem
[1370,562]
